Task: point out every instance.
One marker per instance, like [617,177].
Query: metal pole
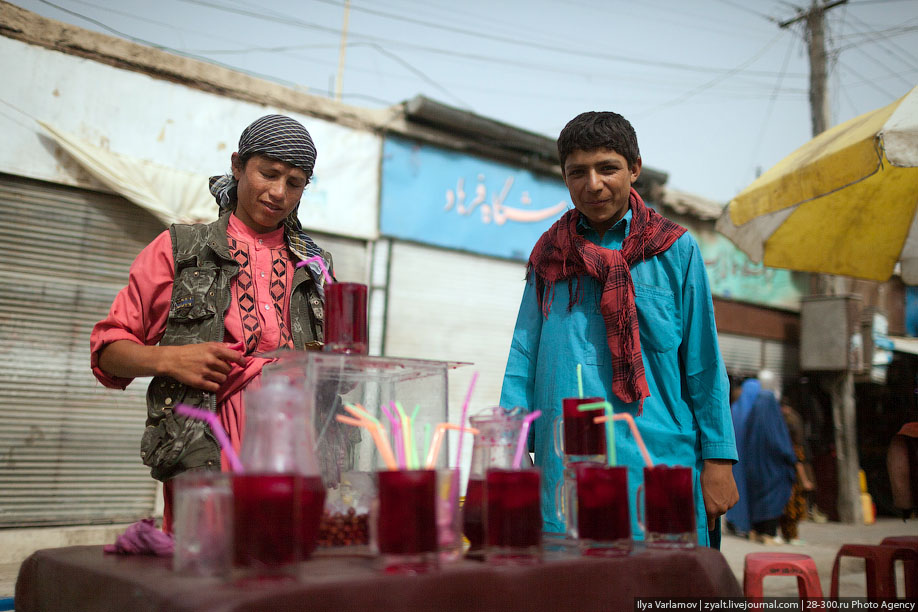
[339,80]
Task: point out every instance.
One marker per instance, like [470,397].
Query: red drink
[514,517]
[312,502]
[581,435]
[472,521]
[669,505]
[407,522]
[602,502]
[346,318]
[264,520]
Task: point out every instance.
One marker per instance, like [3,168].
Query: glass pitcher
[494,447]
[278,500]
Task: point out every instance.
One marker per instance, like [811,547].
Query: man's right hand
[202,366]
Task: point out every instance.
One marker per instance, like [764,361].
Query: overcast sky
[714,88]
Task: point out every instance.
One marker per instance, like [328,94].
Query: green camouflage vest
[201,295]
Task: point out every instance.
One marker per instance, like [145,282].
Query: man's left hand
[718,488]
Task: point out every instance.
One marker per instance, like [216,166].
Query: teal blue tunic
[687,417]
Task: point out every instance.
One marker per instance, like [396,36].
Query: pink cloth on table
[142,538]
[140,311]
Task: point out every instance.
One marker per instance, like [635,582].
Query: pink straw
[624,416]
[396,436]
[465,412]
[211,419]
[524,436]
[321,263]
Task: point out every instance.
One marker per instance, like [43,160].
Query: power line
[290,21]
[705,86]
[771,102]
[741,7]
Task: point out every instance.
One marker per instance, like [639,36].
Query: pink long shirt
[140,311]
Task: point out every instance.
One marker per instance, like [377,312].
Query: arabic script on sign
[496,210]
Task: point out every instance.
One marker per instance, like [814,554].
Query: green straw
[610,428]
[407,437]
[580,379]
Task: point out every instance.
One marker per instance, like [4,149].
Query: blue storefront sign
[452,200]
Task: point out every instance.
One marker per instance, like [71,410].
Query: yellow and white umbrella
[843,203]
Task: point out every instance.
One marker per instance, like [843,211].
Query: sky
[717,91]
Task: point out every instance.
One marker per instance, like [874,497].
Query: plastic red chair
[879,565]
[759,565]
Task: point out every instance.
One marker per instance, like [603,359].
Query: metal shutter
[68,446]
[450,306]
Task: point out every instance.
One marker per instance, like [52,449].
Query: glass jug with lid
[494,447]
[278,500]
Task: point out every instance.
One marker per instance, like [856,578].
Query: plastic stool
[759,565]
[879,564]
[901,541]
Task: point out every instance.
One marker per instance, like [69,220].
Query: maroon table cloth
[84,578]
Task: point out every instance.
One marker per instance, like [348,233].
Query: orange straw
[624,416]
[437,440]
[376,430]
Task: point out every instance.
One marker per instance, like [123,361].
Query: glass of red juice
[405,530]
[583,437]
[473,514]
[513,516]
[603,516]
[346,318]
[312,502]
[266,539]
[669,507]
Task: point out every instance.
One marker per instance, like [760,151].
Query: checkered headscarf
[285,139]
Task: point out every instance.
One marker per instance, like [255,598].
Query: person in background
[768,462]
[202,301]
[796,508]
[614,286]
[738,517]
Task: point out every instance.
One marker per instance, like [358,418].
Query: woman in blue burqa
[765,472]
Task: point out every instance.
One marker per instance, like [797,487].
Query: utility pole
[339,81]
[840,385]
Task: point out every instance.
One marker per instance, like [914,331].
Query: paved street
[822,542]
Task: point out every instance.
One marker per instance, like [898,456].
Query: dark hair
[593,130]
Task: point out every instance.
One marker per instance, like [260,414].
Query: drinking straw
[396,436]
[376,430]
[407,435]
[426,438]
[414,447]
[524,436]
[465,412]
[624,416]
[580,380]
[211,419]
[439,431]
[610,427]
[318,260]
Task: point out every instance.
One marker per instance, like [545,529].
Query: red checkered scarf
[563,253]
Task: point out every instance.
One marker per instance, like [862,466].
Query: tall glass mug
[603,515]
[577,439]
[403,528]
[494,447]
[669,507]
[346,318]
[513,516]
[203,523]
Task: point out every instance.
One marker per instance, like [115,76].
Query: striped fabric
[563,253]
[285,139]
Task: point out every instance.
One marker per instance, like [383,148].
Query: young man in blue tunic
[623,291]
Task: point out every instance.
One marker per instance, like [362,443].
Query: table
[84,578]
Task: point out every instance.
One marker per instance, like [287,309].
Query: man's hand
[202,366]
[718,488]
